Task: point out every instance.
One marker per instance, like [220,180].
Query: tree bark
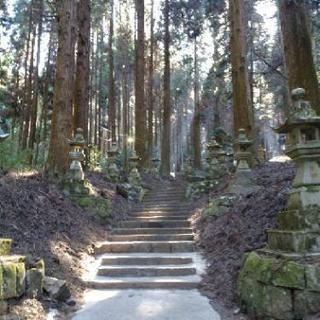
[140,112]
[112,93]
[242,104]
[297,45]
[150,86]
[166,131]
[196,125]
[81,96]
[61,131]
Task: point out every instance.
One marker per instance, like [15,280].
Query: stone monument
[282,280]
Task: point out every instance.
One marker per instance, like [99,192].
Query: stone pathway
[155,251]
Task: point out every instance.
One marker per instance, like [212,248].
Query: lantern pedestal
[282,281]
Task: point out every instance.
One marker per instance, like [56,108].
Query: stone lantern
[155,165]
[76,178]
[243,156]
[188,169]
[214,155]
[284,277]
[134,175]
[113,174]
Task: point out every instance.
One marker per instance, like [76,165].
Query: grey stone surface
[146,305]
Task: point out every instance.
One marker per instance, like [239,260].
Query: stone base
[242,184]
[273,286]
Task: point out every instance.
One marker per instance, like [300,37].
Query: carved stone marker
[282,281]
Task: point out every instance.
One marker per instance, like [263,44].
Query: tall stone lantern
[215,153]
[75,177]
[243,156]
[282,280]
[134,175]
[113,174]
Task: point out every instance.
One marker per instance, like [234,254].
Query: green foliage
[13,158]
[95,158]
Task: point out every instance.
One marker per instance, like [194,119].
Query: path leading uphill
[149,267]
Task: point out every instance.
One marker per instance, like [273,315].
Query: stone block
[306,303]
[258,267]
[9,281]
[34,282]
[251,294]
[3,308]
[313,277]
[21,279]
[289,275]
[292,241]
[278,303]
[5,247]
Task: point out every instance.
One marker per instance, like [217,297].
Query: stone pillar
[282,280]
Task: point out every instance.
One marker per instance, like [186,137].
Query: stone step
[142,271]
[156,224]
[152,237]
[164,198]
[145,246]
[160,212]
[183,282]
[145,260]
[165,205]
[127,231]
[158,217]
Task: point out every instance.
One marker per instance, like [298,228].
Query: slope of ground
[225,239]
[44,223]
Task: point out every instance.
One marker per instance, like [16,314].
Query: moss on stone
[21,279]
[5,246]
[306,303]
[313,277]
[289,275]
[96,205]
[9,274]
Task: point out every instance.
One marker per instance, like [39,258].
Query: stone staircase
[154,249]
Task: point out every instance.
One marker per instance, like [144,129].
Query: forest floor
[44,223]
[226,238]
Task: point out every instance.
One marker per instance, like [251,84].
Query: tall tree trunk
[297,43]
[81,96]
[61,131]
[29,89]
[112,93]
[140,112]
[196,125]
[166,131]
[150,85]
[242,105]
[34,110]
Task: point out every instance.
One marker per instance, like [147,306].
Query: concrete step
[142,271]
[156,224]
[145,246]
[145,260]
[157,217]
[183,282]
[125,231]
[152,237]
